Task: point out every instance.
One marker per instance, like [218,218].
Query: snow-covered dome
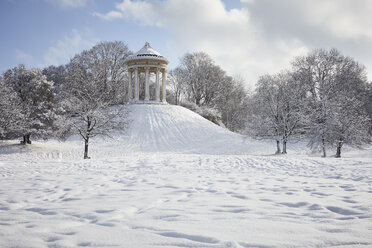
[147,52]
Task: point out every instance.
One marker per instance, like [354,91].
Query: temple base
[147,102]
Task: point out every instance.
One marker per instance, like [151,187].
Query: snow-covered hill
[169,128]
[152,128]
[177,180]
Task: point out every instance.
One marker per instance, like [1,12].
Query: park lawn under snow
[176,180]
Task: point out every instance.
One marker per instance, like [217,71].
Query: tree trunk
[86,148]
[284,147]
[86,138]
[339,146]
[26,139]
[324,148]
[277,147]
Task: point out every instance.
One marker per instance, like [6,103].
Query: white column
[136,85]
[147,85]
[157,88]
[164,78]
[130,87]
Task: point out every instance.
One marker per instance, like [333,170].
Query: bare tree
[368,104]
[350,123]
[264,117]
[205,84]
[279,111]
[332,81]
[104,64]
[88,106]
[232,103]
[177,85]
[318,70]
[89,119]
[202,78]
[293,111]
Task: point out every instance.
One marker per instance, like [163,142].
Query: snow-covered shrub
[208,113]
[212,115]
[191,106]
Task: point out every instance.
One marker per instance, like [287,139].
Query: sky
[246,38]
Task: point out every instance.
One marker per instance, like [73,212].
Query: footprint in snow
[53,239]
[195,238]
[42,211]
[294,205]
[84,244]
[104,211]
[341,211]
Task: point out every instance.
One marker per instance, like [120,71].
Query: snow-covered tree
[176,83]
[278,110]
[8,104]
[199,80]
[33,113]
[349,124]
[89,119]
[88,108]
[332,81]
[293,108]
[203,79]
[104,66]
[368,104]
[58,75]
[264,117]
[232,103]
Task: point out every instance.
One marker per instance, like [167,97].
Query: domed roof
[147,52]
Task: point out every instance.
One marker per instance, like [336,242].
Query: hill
[170,128]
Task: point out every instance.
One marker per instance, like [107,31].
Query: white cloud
[63,50]
[247,1]
[342,24]
[229,36]
[110,15]
[236,39]
[69,3]
[344,19]
[141,10]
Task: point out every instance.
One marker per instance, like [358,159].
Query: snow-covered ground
[177,180]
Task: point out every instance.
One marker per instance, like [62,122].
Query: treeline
[325,98]
[202,86]
[82,97]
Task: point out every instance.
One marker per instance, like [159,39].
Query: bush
[208,113]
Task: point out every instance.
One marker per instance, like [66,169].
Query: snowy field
[177,180]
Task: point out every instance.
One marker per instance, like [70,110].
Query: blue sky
[32,31]
[247,38]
